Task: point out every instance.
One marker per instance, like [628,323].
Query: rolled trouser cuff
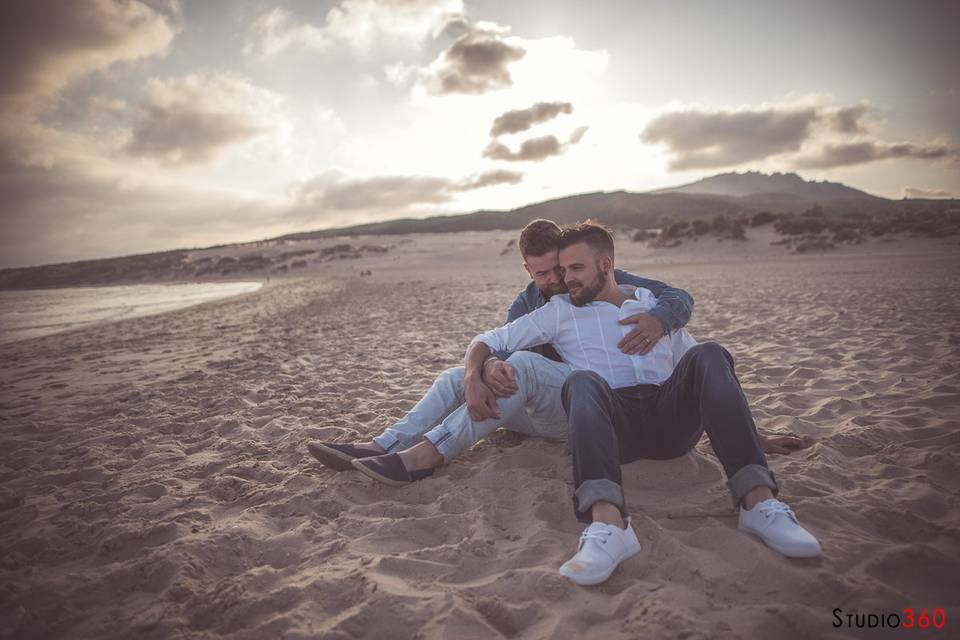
[750,476]
[387,441]
[443,441]
[599,490]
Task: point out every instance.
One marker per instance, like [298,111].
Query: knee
[581,384]
[523,363]
[452,377]
[710,353]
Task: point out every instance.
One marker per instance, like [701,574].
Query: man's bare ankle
[371,445]
[607,514]
[756,495]
[421,456]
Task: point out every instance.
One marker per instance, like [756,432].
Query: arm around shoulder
[674,306]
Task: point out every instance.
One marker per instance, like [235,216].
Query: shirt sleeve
[530,329]
[674,306]
[519,308]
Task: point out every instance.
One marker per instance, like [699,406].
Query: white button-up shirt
[586,338]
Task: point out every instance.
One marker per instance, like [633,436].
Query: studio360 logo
[907,618]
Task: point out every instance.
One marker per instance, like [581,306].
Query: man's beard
[549,292]
[588,293]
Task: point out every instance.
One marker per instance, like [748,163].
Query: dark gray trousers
[610,427]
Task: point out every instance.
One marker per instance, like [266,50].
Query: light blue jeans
[442,416]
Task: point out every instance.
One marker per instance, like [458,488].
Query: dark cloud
[707,140]
[333,191]
[914,192]
[181,135]
[44,44]
[839,155]
[488,179]
[455,27]
[522,119]
[847,119]
[704,140]
[189,120]
[475,63]
[532,150]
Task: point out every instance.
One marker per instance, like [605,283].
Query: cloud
[359,24]
[190,120]
[477,62]
[812,136]
[703,140]
[914,192]
[399,73]
[489,178]
[847,119]
[522,119]
[333,191]
[532,150]
[275,32]
[839,155]
[70,210]
[577,135]
[46,44]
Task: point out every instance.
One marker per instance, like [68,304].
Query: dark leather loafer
[389,469]
[338,455]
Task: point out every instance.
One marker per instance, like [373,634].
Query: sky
[136,126]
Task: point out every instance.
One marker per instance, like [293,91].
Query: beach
[156,481]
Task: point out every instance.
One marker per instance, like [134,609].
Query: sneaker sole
[789,553]
[331,457]
[367,471]
[598,579]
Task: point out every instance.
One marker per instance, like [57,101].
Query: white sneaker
[776,524]
[602,548]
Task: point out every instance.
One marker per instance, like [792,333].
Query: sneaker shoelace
[772,507]
[600,535]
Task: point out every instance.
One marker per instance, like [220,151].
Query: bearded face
[545,271]
[582,292]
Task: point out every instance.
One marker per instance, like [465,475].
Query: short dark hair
[590,232]
[539,237]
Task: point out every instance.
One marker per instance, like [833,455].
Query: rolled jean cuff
[387,441]
[599,490]
[750,476]
[442,439]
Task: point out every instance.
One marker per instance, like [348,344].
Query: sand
[156,484]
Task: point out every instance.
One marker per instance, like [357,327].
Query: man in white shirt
[659,410]
[621,408]
[587,328]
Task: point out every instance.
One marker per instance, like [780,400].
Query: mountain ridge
[751,183]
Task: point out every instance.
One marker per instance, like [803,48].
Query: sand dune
[155,481]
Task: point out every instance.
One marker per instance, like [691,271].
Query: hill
[751,183]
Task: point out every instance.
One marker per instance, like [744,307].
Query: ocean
[35,313]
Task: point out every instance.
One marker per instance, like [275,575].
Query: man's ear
[607,264]
[529,273]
